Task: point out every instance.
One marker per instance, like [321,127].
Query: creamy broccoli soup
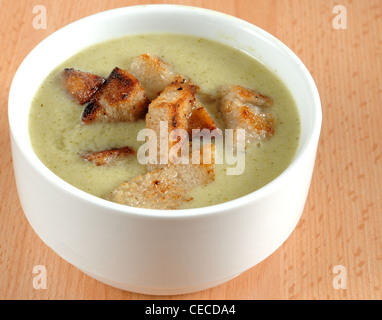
[59,137]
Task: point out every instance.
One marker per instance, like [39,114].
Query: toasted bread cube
[121,98]
[101,158]
[243,109]
[153,73]
[173,107]
[81,85]
[200,119]
[167,188]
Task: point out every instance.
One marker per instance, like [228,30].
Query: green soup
[58,137]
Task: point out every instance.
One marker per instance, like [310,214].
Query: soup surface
[58,137]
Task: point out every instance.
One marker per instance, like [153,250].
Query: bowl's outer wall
[153,253]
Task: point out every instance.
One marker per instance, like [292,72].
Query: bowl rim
[269,188]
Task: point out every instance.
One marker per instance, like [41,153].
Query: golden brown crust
[104,157]
[250,96]
[120,98]
[153,73]
[155,64]
[167,188]
[262,123]
[200,119]
[242,108]
[81,85]
[173,107]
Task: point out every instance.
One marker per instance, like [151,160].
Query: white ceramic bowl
[153,251]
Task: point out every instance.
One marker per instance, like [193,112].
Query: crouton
[81,85]
[243,109]
[167,188]
[153,73]
[173,108]
[104,157]
[120,98]
[200,119]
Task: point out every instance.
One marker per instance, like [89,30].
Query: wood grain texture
[342,220]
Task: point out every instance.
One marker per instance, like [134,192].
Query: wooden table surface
[342,221]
